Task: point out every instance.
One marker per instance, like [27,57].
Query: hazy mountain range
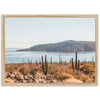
[65,46]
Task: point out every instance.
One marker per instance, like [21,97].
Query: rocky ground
[57,73]
[19,78]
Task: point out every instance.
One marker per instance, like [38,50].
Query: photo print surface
[50,50]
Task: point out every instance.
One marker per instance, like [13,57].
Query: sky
[27,32]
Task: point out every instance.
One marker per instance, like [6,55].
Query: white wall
[49,7]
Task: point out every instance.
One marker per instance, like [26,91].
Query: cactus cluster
[45,65]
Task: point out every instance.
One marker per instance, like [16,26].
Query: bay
[13,56]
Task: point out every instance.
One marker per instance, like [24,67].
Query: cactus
[39,61]
[42,64]
[45,60]
[60,60]
[36,63]
[46,65]
[65,62]
[78,65]
[76,61]
[70,61]
[51,60]
[92,59]
[46,69]
[72,64]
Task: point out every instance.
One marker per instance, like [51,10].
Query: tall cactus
[42,64]
[46,65]
[45,60]
[76,61]
[78,65]
[72,64]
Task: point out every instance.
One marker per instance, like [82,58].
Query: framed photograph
[49,50]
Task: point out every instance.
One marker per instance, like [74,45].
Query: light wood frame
[47,16]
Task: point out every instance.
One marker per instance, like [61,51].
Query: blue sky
[26,32]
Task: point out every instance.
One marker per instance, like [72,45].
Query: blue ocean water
[13,56]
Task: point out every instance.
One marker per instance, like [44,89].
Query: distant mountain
[65,46]
[11,49]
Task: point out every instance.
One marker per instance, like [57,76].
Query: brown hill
[65,46]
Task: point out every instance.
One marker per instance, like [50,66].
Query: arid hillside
[65,46]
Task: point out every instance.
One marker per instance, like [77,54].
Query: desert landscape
[44,72]
[50,50]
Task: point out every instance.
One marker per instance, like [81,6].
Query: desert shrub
[51,71]
[84,78]
[23,70]
[62,76]
[69,76]
[15,67]
[88,68]
[91,69]
[9,69]
[32,70]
